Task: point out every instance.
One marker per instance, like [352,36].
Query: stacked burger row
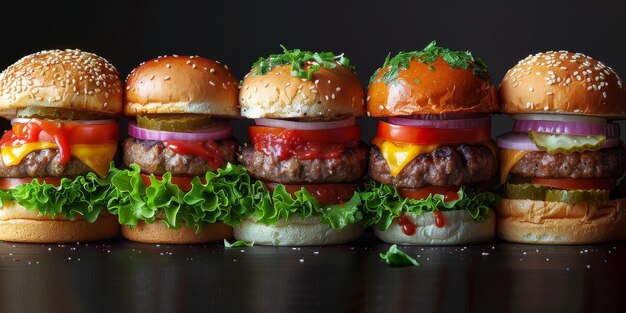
[432,175]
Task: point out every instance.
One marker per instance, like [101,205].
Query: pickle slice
[577,196]
[526,191]
[61,114]
[173,122]
[562,143]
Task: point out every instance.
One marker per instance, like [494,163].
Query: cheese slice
[13,155]
[508,158]
[97,157]
[398,155]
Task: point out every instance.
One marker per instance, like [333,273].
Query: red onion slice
[271,122]
[520,141]
[480,122]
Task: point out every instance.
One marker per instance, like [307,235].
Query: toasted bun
[21,225]
[182,84]
[543,222]
[296,232]
[331,94]
[459,228]
[70,79]
[442,90]
[158,232]
[562,82]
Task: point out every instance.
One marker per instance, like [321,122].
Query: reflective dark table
[121,276]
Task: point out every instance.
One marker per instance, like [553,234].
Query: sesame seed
[168,65]
[338,89]
[546,108]
[317,81]
[212,70]
[266,84]
[166,78]
[531,89]
[212,83]
[152,77]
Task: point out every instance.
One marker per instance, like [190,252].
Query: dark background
[122,276]
[238,32]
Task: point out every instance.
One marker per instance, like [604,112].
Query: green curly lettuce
[279,204]
[82,196]
[383,203]
[226,196]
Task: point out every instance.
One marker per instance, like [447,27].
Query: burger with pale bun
[563,159]
[432,163]
[305,149]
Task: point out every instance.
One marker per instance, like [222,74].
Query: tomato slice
[324,193]
[9,183]
[427,135]
[449,193]
[320,135]
[183,182]
[575,183]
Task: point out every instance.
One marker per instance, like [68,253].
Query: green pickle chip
[173,122]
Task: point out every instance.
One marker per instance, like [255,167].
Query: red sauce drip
[407,226]
[288,144]
[439,221]
[206,150]
[450,196]
[23,133]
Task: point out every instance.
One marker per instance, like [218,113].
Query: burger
[432,162]
[181,184]
[305,149]
[63,106]
[562,161]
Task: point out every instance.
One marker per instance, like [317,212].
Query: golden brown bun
[296,231]
[70,79]
[158,232]
[562,82]
[330,95]
[181,84]
[21,225]
[459,228]
[442,90]
[543,222]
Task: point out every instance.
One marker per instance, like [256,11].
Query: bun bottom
[158,232]
[544,222]
[308,231]
[58,231]
[459,228]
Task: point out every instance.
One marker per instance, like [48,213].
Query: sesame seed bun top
[565,83]
[330,94]
[69,79]
[181,84]
[431,88]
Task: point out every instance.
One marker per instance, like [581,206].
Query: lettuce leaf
[226,196]
[279,204]
[383,203]
[82,196]
[397,258]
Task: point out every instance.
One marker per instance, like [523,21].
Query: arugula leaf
[383,203]
[82,196]
[398,258]
[226,196]
[279,205]
[303,63]
[428,55]
[238,243]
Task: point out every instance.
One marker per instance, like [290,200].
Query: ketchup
[288,144]
[439,221]
[23,133]
[206,150]
[407,226]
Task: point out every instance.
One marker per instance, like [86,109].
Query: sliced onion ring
[520,141]
[559,118]
[21,120]
[480,122]
[570,128]
[214,133]
[271,122]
